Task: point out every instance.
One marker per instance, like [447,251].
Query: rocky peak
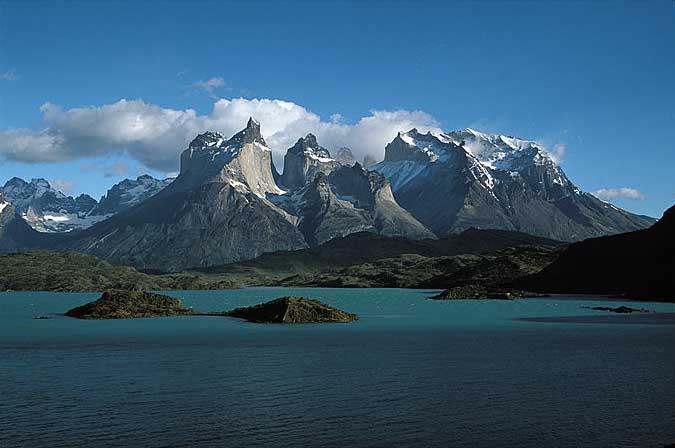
[304,160]
[309,147]
[413,146]
[207,140]
[251,134]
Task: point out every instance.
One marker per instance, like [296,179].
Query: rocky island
[292,310]
[118,304]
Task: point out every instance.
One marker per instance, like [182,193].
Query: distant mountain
[640,264]
[46,209]
[464,179]
[15,233]
[128,193]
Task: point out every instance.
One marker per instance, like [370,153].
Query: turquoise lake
[410,372]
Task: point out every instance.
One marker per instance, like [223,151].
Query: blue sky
[594,78]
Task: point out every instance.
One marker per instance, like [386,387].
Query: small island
[118,304]
[292,310]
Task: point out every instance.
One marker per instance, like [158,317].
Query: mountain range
[464,179]
[47,209]
[229,203]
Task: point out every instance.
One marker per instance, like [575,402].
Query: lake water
[410,372]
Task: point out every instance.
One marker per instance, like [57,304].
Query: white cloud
[64,186]
[608,194]
[9,75]
[557,152]
[155,136]
[209,85]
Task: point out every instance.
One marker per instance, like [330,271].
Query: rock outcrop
[292,310]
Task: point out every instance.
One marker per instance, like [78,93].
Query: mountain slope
[367,247]
[465,179]
[640,264]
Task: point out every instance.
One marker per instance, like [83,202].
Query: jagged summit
[207,139]
[251,134]
[304,160]
[414,146]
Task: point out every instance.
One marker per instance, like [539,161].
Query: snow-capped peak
[309,147]
[415,146]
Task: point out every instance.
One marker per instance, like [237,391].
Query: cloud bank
[608,194]
[155,136]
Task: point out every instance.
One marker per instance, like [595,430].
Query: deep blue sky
[597,77]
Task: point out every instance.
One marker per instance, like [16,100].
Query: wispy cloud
[9,75]
[64,186]
[107,169]
[155,136]
[608,194]
[209,85]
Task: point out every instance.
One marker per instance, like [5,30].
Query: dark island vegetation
[117,304]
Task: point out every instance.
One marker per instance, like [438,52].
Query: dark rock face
[117,304]
[292,310]
[451,182]
[638,264]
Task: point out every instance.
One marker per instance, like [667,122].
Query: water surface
[410,372]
